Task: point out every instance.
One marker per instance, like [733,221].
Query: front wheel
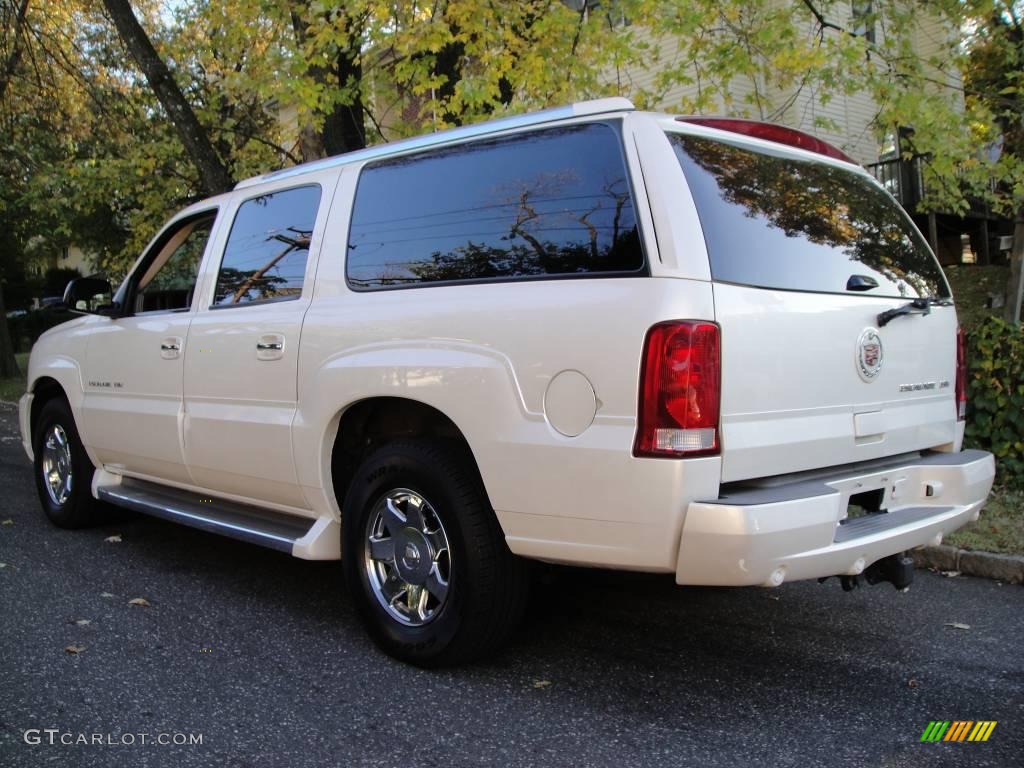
[63,471]
[425,558]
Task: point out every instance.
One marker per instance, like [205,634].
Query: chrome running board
[267,528]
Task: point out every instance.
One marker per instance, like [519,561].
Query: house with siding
[847,121]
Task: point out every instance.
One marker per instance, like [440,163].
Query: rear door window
[547,203]
[772,221]
[265,256]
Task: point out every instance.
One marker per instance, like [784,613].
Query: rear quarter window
[772,221]
[548,203]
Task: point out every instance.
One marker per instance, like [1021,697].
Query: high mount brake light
[769,132]
[680,389]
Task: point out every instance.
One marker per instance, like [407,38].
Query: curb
[988,565]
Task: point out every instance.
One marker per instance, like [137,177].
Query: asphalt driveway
[261,656]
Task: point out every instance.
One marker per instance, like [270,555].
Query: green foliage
[87,155]
[995,418]
[973,286]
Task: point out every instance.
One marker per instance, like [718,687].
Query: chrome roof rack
[579,109]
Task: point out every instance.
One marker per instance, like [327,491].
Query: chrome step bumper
[765,536]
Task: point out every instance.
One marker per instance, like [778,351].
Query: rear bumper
[800,531]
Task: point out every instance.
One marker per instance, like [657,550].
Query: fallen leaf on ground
[115,539]
[957,625]
[106,594]
[75,648]
[912,683]
[541,683]
[950,574]
[8,521]
[139,601]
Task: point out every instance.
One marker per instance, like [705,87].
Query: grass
[13,388]
[1000,527]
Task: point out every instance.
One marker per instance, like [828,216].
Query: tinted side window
[266,252]
[552,202]
[775,222]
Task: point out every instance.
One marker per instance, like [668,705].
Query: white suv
[595,336]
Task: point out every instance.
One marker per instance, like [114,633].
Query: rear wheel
[425,558]
[63,471]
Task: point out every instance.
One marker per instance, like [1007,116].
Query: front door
[134,365]
[241,360]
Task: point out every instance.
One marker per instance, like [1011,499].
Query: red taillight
[780,134]
[680,385]
[961,376]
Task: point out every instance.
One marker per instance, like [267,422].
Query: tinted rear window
[775,222]
[555,202]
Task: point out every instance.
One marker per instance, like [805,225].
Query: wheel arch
[43,389]
[362,426]
[55,374]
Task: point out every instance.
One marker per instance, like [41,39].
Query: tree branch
[213,175]
[15,56]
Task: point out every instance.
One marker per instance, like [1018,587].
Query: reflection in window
[776,222]
[174,283]
[553,202]
[266,252]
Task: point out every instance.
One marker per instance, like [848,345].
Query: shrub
[995,406]
[29,327]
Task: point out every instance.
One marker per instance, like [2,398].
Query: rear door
[805,255]
[241,360]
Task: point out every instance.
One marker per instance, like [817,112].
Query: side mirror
[90,295]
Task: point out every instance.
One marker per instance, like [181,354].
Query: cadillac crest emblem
[869,354]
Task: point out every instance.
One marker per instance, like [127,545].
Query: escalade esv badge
[869,354]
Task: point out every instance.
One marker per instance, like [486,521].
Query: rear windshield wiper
[921,306]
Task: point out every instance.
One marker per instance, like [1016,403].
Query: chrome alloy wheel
[57,465]
[407,557]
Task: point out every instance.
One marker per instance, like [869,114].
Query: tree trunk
[344,126]
[213,175]
[14,58]
[8,365]
[1015,285]
[343,129]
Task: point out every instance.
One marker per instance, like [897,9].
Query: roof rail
[579,109]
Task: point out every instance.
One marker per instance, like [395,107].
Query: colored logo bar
[958,730]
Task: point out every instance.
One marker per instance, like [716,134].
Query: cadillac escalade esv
[706,347]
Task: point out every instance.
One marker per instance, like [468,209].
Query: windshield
[776,222]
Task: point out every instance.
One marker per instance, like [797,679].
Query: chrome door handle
[170,347]
[270,346]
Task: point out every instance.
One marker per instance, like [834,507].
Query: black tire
[79,509]
[486,584]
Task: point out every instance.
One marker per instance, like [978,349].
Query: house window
[863,22]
